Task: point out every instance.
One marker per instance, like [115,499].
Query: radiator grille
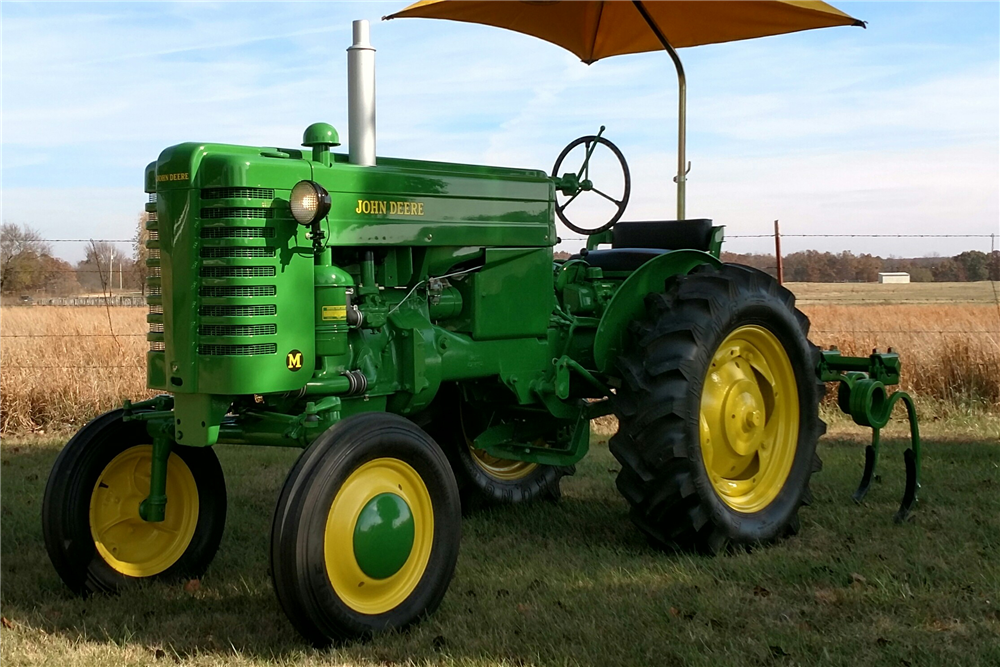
[222,252]
[226,229]
[237,193]
[238,350]
[236,212]
[238,291]
[238,329]
[239,311]
[153,288]
[152,197]
[237,271]
[237,232]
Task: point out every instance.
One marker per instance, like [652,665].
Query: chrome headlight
[309,202]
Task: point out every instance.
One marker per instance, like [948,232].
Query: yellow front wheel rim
[749,419]
[128,544]
[376,586]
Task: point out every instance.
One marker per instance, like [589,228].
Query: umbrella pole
[682,165]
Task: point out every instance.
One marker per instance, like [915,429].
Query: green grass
[571,583]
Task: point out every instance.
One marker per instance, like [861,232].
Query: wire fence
[848,294]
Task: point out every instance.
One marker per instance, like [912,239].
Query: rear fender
[628,303]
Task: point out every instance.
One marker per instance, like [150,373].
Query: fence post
[777,253]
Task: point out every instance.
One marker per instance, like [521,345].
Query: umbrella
[593,30]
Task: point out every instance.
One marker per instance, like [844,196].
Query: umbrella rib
[597,29]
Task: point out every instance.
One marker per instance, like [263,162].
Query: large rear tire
[90,513]
[718,411]
[366,530]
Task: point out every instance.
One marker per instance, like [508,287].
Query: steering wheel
[572,185]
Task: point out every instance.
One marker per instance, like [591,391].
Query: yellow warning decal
[333,313]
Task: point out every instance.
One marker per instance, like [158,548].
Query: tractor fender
[628,303]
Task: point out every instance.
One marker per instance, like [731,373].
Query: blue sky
[892,129]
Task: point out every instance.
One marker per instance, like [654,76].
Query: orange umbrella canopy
[595,30]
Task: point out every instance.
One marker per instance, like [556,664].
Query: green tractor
[406,325]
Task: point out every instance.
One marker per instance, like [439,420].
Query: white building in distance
[894,277]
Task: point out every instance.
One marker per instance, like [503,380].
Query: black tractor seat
[635,243]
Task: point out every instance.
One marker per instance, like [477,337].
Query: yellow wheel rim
[128,544]
[501,469]
[749,421]
[368,486]
[505,470]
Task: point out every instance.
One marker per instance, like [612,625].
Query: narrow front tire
[366,531]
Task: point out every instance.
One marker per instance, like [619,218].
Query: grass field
[570,583]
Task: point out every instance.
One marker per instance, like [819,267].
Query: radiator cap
[320,134]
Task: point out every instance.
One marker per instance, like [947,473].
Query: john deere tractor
[406,325]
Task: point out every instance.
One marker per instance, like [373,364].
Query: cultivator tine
[871,456]
[910,493]
[863,396]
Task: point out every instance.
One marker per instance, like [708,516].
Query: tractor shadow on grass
[570,582]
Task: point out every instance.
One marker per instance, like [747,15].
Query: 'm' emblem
[294,360]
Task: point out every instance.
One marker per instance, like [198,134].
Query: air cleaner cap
[320,134]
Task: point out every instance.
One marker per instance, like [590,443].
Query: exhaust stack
[361,97]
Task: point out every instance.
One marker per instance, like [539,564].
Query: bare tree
[22,250]
[140,253]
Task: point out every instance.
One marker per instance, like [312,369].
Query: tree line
[28,265]
[813,266]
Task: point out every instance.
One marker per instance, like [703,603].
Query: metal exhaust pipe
[361,97]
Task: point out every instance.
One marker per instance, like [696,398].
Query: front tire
[718,411]
[90,513]
[366,531]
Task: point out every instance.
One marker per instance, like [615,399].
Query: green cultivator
[406,325]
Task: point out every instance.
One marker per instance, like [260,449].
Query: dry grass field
[60,366]
[981,293]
